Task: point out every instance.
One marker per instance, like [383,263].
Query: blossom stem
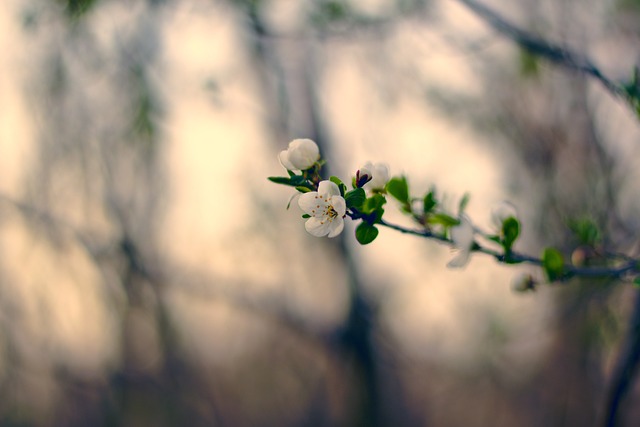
[615,272]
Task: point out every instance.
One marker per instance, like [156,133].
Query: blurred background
[150,275]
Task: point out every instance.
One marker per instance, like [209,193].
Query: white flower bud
[301,154]
[379,174]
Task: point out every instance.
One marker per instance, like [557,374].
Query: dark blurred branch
[554,53]
[354,338]
[356,335]
[626,368]
[55,227]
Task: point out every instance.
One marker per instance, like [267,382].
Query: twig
[630,266]
[626,368]
[552,52]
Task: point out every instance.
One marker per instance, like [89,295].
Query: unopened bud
[362,177]
[582,255]
[524,283]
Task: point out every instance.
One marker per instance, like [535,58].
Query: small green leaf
[463,203]
[366,233]
[586,231]
[280,180]
[335,180]
[297,180]
[430,202]
[355,198]
[373,203]
[510,232]
[399,189]
[305,216]
[553,264]
[529,64]
[443,219]
[294,181]
[303,189]
[373,208]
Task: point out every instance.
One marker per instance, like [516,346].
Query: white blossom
[462,237]
[327,209]
[379,174]
[301,154]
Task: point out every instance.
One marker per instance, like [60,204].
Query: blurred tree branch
[626,368]
[552,52]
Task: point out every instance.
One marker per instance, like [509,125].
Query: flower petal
[336,227]
[339,205]
[284,160]
[462,234]
[328,188]
[367,169]
[379,176]
[460,260]
[309,203]
[317,226]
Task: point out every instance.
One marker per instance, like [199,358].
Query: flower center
[331,212]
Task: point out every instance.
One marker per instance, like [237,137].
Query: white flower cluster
[326,208]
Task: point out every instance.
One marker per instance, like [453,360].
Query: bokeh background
[150,275]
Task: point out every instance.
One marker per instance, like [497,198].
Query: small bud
[362,177]
[377,176]
[582,256]
[523,283]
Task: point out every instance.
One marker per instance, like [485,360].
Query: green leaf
[553,264]
[337,181]
[366,233]
[297,180]
[77,8]
[399,189]
[305,216]
[355,198]
[463,203]
[294,181]
[303,189]
[586,231]
[373,203]
[430,202]
[443,219]
[510,232]
[280,180]
[529,64]
[373,208]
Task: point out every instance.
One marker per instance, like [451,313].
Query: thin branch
[552,52]
[625,370]
[630,266]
